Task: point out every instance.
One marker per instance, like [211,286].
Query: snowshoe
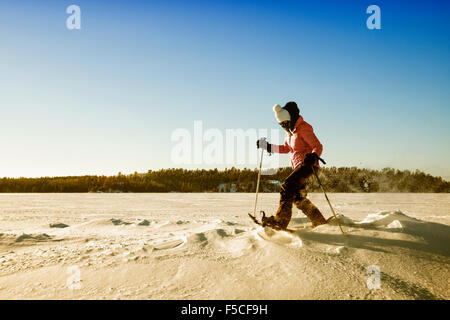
[269,222]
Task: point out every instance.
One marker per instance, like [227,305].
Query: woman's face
[286,125]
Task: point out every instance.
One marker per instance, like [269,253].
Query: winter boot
[311,211]
[271,221]
[284,213]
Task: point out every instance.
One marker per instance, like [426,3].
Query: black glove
[263,144]
[311,159]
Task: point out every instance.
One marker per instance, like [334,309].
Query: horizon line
[212,169]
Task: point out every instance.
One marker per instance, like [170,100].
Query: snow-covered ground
[203,246]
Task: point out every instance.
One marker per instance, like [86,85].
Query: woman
[306,150]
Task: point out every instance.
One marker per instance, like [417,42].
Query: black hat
[294,112]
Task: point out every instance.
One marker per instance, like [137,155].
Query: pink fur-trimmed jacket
[301,142]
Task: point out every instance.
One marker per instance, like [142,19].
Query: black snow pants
[293,191]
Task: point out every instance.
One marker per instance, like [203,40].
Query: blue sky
[107,98]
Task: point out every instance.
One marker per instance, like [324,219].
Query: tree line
[343,179]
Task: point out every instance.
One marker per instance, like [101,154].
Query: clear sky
[107,98]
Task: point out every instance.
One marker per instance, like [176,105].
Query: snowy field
[203,246]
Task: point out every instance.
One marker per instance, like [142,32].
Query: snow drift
[192,255]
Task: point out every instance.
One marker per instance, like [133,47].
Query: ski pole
[257,183]
[326,197]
